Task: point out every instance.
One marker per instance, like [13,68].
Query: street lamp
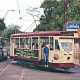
[6,14]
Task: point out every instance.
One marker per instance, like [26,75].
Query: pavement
[9,71]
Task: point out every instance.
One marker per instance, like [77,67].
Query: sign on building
[71,26]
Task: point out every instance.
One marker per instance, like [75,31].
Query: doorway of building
[77,50]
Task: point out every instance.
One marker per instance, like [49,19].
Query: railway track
[4,64]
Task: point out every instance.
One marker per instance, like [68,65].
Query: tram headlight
[56,56]
[65,53]
[70,53]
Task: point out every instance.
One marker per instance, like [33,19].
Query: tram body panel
[11,48]
[67,46]
[60,57]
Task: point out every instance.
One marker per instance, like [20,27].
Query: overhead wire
[20,17]
[29,26]
[31,10]
[37,15]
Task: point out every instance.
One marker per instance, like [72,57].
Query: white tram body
[60,48]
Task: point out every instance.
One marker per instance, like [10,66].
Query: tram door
[43,41]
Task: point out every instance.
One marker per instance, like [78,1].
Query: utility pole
[65,11]
[65,14]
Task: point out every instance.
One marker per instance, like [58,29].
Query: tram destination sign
[71,26]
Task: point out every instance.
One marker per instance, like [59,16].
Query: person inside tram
[46,55]
[34,46]
[26,46]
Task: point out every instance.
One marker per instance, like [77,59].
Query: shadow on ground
[42,68]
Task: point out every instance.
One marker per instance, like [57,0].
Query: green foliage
[12,29]
[2,25]
[24,53]
[74,11]
[53,18]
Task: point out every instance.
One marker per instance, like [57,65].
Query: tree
[2,25]
[53,18]
[74,11]
[11,29]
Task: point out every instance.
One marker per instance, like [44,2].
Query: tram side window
[17,42]
[44,41]
[28,43]
[34,42]
[22,41]
[51,43]
[57,45]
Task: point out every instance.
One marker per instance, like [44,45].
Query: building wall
[77,51]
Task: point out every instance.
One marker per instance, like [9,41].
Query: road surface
[9,71]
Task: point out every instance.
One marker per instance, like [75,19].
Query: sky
[21,12]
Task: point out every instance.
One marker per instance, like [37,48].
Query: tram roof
[44,33]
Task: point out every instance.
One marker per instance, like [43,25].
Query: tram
[60,46]
[4,48]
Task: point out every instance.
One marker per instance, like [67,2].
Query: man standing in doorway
[46,54]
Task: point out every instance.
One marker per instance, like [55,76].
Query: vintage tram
[60,45]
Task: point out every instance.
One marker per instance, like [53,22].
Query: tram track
[10,71]
[4,66]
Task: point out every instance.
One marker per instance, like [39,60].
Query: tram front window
[67,46]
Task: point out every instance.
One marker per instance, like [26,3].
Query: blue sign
[72,25]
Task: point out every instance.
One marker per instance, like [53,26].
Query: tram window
[57,45]
[44,41]
[34,42]
[22,41]
[67,46]
[17,42]
[29,43]
[51,43]
[26,44]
